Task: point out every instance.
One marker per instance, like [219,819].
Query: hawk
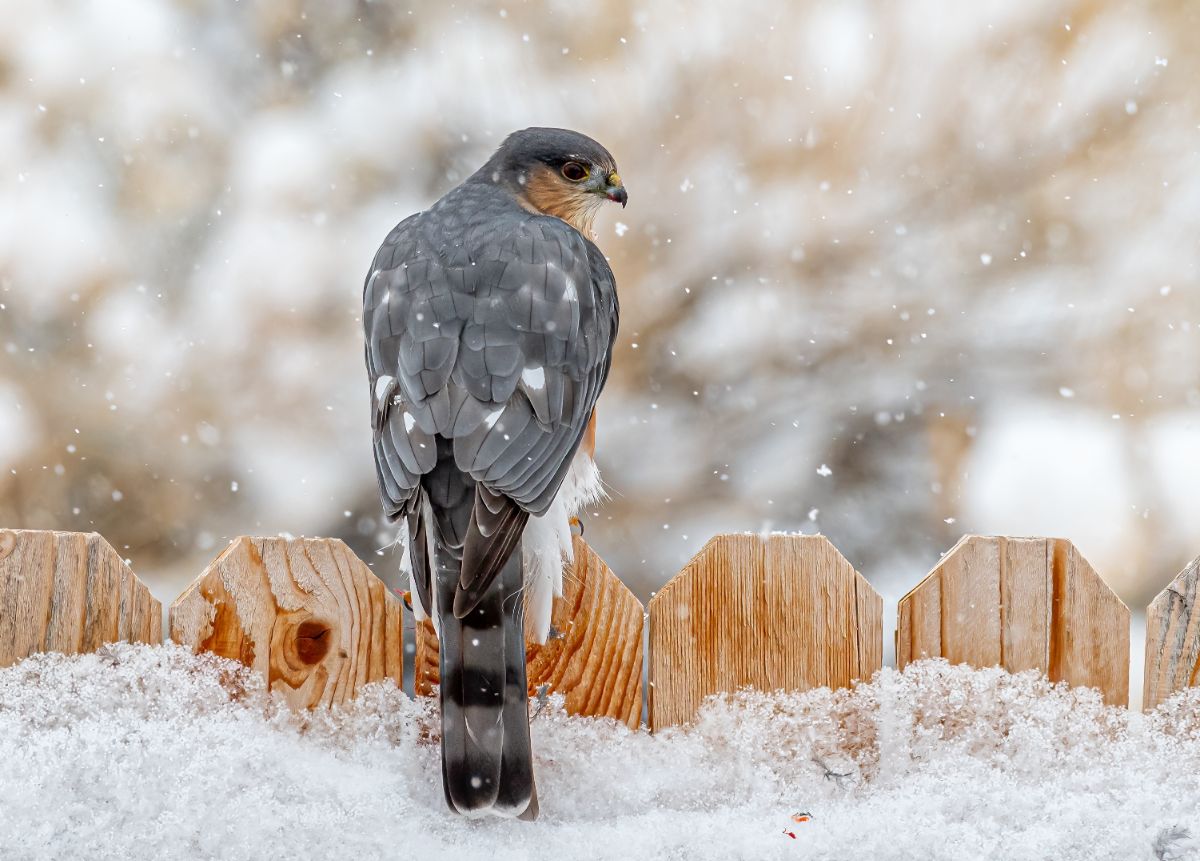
[489,321]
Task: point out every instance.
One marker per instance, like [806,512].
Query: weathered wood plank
[306,613]
[777,612]
[1173,638]
[1090,645]
[1026,603]
[1019,603]
[919,622]
[869,617]
[966,575]
[69,592]
[594,655]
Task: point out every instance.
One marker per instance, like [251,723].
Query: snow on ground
[151,752]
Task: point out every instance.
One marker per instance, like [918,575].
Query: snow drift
[152,752]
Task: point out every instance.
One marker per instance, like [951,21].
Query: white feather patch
[382,386]
[546,542]
[582,486]
[406,570]
[535,378]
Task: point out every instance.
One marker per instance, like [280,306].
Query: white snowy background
[890,271]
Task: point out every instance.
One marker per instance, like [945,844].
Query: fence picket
[306,613]
[771,612]
[1173,638]
[1019,603]
[69,592]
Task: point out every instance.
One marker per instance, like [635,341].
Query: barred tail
[487,762]
[518,791]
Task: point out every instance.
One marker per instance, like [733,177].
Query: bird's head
[557,172]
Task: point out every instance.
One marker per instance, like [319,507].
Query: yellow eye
[574,171]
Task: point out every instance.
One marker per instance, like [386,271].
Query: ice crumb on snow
[151,752]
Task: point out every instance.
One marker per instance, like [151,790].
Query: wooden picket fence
[772,612]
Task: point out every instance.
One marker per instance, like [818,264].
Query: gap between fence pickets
[62,576]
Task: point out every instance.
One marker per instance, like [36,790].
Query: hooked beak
[614,190]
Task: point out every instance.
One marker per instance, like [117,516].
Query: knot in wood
[312,640]
[8,542]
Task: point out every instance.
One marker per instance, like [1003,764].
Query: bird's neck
[543,194]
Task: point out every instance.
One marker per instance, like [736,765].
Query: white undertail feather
[582,486]
[546,543]
[545,547]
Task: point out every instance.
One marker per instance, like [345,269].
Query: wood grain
[1019,603]
[771,612]
[69,592]
[1173,638]
[594,655]
[306,613]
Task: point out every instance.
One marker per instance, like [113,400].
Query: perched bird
[490,320]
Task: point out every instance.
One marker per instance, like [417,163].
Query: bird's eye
[574,171]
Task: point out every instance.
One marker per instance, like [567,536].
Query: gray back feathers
[497,328]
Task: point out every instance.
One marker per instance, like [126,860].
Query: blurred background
[891,272]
